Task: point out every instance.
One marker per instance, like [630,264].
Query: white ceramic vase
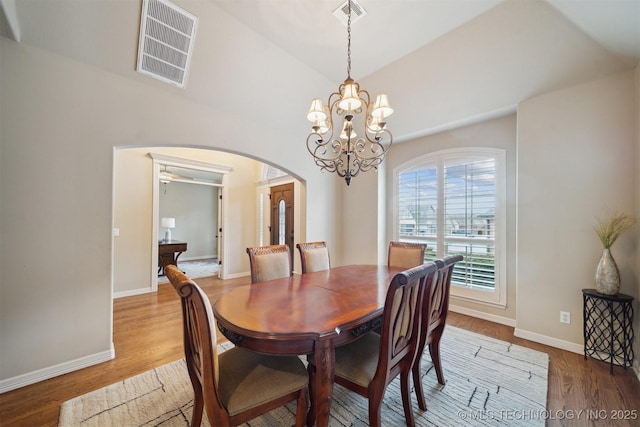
[607,274]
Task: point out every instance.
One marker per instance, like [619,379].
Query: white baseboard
[132,292]
[520,333]
[236,275]
[56,370]
[531,336]
[550,341]
[482,315]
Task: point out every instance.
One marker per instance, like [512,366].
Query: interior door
[282,215]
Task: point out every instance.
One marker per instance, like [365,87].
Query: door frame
[263,212]
[164,160]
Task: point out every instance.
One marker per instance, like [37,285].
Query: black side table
[608,328]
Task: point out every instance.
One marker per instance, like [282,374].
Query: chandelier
[361,139]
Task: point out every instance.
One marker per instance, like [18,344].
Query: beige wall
[60,122]
[637,230]
[576,159]
[360,219]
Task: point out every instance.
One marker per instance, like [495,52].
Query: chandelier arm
[337,96]
[319,147]
[333,105]
[380,138]
[364,92]
[370,153]
[322,153]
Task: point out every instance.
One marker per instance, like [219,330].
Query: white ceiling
[392,29]
[442,62]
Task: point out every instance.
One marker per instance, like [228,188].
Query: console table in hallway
[168,253]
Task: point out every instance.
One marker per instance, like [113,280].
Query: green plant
[613,226]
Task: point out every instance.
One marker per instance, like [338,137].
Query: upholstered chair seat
[249,379]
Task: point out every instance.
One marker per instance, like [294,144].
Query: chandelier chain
[349,41]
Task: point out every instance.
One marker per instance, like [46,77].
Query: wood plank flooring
[148,333]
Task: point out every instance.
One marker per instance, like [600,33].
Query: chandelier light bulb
[316,112]
[374,124]
[321,127]
[347,130]
[381,107]
[350,100]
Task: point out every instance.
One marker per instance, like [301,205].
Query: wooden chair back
[217,385]
[200,346]
[395,347]
[434,317]
[401,320]
[436,313]
[314,256]
[405,255]
[269,262]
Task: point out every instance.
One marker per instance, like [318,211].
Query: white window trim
[498,296]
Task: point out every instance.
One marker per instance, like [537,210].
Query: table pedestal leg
[321,374]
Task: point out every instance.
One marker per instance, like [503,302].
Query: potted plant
[608,230]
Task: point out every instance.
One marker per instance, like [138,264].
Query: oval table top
[312,305]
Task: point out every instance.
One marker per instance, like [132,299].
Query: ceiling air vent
[342,12]
[166,41]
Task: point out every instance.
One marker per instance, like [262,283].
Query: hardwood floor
[148,333]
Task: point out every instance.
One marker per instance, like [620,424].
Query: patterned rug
[489,382]
[195,269]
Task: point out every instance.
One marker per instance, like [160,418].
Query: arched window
[454,201]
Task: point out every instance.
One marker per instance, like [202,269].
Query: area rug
[488,382]
[195,269]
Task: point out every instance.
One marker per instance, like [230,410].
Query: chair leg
[375,401]
[311,415]
[434,350]
[198,403]
[406,398]
[417,384]
[301,409]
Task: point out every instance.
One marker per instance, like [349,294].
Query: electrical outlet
[565,317]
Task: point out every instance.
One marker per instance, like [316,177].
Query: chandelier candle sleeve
[334,142]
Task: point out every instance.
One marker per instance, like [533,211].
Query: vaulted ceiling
[392,29]
[442,62]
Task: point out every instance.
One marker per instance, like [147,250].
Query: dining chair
[434,315]
[405,255]
[269,262]
[236,385]
[366,366]
[314,256]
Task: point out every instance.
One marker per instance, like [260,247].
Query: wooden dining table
[307,314]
